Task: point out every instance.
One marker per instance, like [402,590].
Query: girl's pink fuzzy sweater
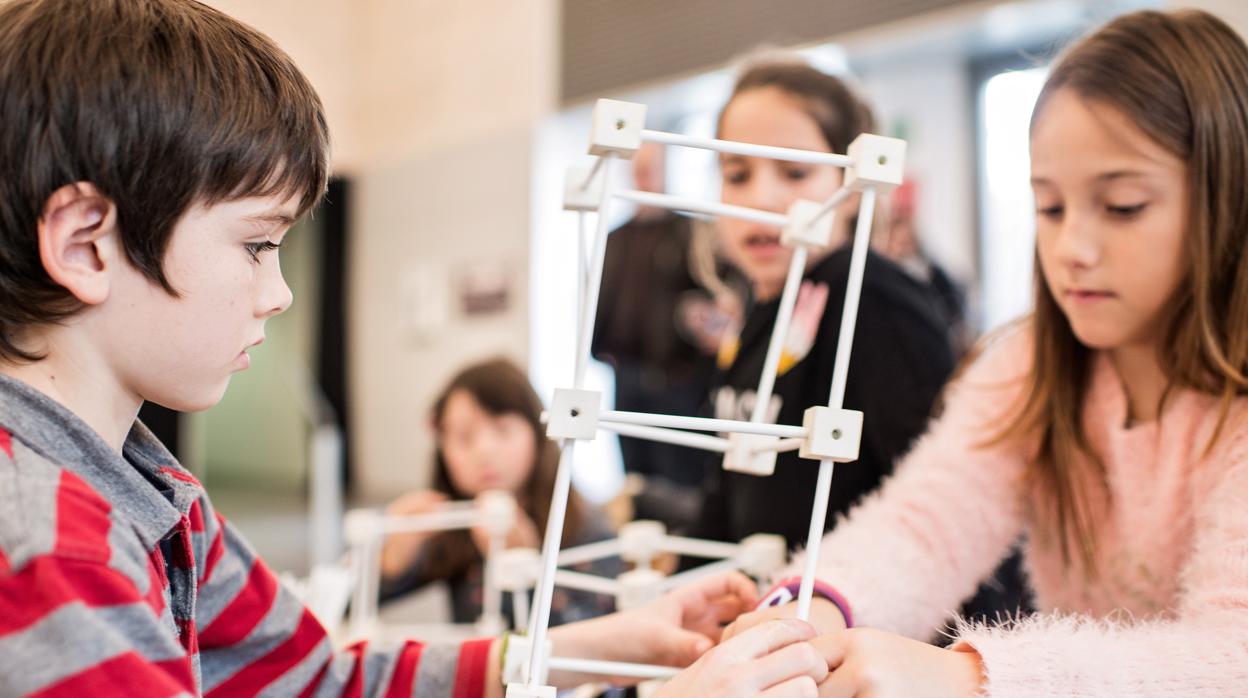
[1167,615]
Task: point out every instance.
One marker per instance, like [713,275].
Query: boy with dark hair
[153,155]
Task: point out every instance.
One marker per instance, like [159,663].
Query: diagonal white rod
[593,172]
[678,580]
[668,436]
[586,582]
[437,521]
[670,421]
[750,149]
[589,313]
[836,400]
[779,333]
[550,551]
[710,208]
[696,547]
[836,200]
[590,552]
[781,446]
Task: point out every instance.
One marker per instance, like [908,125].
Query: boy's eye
[254,249]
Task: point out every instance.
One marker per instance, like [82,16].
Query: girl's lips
[1088,296]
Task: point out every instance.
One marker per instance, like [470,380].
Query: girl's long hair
[1182,78]
[499,387]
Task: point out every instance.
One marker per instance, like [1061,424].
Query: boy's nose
[277,296]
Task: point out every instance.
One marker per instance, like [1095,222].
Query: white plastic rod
[678,580]
[762,151]
[436,521]
[550,554]
[704,442]
[492,593]
[582,261]
[520,608]
[779,333]
[836,200]
[590,552]
[567,579]
[593,666]
[589,312]
[593,172]
[836,399]
[853,292]
[781,446]
[697,547]
[710,208]
[669,421]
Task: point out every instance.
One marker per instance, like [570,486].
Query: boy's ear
[76,223]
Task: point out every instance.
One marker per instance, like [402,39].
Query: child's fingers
[832,647]
[769,637]
[800,687]
[796,660]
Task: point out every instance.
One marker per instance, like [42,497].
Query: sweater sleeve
[911,552]
[1202,650]
[255,636]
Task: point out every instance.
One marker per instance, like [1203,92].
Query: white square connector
[516,661]
[833,435]
[498,509]
[580,193]
[637,588]
[574,414]
[806,226]
[641,541]
[517,568]
[616,128]
[763,554]
[744,454]
[879,162]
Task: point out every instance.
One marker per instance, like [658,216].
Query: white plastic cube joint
[574,414]
[517,659]
[831,434]
[762,554]
[362,525]
[879,162]
[744,454]
[518,568]
[580,194]
[641,541]
[638,587]
[804,228]
[498,509]
[616,128]
[517,690]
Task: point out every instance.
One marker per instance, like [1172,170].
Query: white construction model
[828,434]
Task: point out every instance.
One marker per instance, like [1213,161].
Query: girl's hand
[773,660]
[674,630]
[400,550]
[875,664]
[824,615]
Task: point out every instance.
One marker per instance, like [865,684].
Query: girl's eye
[254,249]
[796,173]
[1052,212]
[737,177]
[1125,211]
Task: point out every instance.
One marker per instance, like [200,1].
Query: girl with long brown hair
[1109,425]
[489,437]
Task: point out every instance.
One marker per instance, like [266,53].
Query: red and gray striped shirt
[116,575]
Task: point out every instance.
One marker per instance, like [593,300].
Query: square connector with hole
[574,414]
[616,128]
[879,162]
[752,454]
[831,434]
[806,226]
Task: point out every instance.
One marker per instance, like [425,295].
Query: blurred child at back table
[489,433]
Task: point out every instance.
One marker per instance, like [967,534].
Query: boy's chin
[192,402]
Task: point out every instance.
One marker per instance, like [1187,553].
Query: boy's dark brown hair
[161,105]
